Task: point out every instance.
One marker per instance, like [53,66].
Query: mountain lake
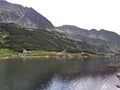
[52,74]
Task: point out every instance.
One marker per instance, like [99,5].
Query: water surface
[52,74]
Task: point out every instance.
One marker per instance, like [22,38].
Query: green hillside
[17,39]
[104,41]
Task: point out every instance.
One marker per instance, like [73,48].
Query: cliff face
[23,16]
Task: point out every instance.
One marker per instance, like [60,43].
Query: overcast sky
[88,14]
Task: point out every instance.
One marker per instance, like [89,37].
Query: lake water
[52,74]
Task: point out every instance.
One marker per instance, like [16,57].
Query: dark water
[52,74]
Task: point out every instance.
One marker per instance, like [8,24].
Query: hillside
[103,40]
[23,16]
[18,39]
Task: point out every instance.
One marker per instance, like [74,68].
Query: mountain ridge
[23,16]
[102,39]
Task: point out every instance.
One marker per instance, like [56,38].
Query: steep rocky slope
[23,16]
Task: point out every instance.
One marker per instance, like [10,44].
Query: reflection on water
[52,74]
[83,83]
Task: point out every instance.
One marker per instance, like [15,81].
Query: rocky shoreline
[68,56]
[22,57]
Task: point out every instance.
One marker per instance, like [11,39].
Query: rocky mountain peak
[23,16]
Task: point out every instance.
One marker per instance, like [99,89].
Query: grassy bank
[6,54]
[9,53]
[38,53]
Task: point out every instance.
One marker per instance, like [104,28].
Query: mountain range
[25,28]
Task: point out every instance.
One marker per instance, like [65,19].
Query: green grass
[9,53]
[6,52]
[39,53]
